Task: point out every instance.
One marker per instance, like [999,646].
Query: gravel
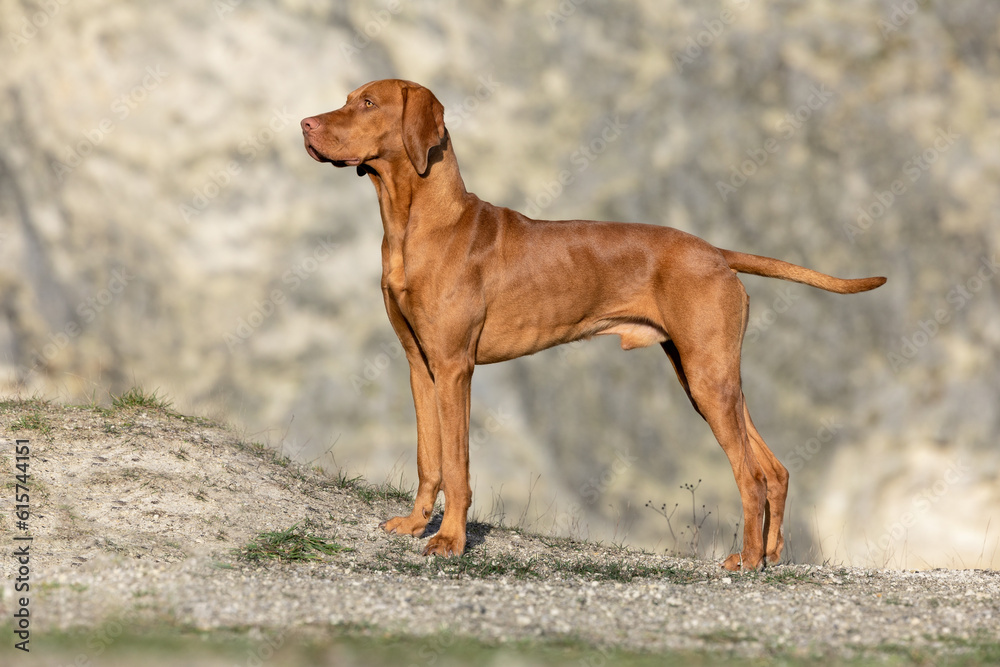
[139,516]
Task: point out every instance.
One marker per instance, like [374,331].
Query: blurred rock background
[161,224]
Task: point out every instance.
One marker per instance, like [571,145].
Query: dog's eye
[369,104]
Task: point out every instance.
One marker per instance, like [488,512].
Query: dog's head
[388,120]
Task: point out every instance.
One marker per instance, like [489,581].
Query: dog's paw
[442,545]
[742,563]
[404,525]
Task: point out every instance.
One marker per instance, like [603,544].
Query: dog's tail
[775,268]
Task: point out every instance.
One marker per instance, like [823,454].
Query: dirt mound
[145,483]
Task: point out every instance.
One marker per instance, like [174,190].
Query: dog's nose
[309,124]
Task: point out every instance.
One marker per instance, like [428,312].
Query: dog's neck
[402,192]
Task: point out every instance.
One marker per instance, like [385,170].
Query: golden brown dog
[467,283]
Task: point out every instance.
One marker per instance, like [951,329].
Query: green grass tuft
[33,422]
[369,493]
[35,402]
[292,544]
[137,397]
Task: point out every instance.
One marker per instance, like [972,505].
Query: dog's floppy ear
[423,125]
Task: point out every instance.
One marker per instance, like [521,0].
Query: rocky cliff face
[160,223]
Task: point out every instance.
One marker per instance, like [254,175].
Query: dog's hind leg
[706,341]
[777,491]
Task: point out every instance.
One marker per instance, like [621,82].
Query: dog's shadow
[475,531]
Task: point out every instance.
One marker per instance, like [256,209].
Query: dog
[466,282]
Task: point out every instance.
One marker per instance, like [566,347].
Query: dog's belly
[636,334]
[508,339]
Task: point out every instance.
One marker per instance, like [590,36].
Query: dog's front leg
[453,384]
[428,430]
[428,453]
